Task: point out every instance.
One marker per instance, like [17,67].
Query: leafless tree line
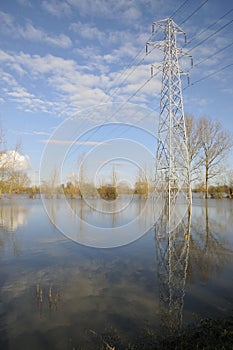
[208,147]
[12,179]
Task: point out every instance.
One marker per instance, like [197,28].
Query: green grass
[207,334]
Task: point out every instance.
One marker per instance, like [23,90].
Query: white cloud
[39,133]
[63,86]
[122,10]
[15,160]
[8,79]
[25,3]
[68,142]
[63,75]
[88,31]
[56,8]
[107,39]
[74,86]
[6,20]
[30,32]
[27,100]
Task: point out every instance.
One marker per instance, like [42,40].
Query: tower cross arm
[163,24]
[155,44]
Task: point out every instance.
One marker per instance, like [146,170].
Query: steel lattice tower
[172,162]
[172,181]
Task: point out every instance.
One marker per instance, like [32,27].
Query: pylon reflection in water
[172,253]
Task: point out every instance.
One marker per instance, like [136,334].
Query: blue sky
[62,58]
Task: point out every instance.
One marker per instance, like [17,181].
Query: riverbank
[207,334]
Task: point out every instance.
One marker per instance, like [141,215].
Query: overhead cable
[193,13]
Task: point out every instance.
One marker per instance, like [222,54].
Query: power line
[209,75]
[179,8]
[134,68]
[131,72]
[211,35]
[218,51]
[127,76]
[195,82]
[131,64]
[132,97]
[215,53]
[195,11]
[96,129]
[140,88]
[122,74]
[211,25]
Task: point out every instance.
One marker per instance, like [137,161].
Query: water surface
[55,292]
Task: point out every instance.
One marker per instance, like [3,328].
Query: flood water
[59,294]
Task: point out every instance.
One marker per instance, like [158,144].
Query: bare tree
[50,187]
[72,186]
[86,187]
[81,174]
[3,160]
[215,145]
[194,146]
[227,180]
[141,186]
[12,177]
[11,167]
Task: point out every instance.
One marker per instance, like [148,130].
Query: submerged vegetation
[108,192]
[207,334]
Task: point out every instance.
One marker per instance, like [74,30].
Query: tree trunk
[206,181]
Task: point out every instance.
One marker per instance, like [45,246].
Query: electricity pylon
[172,180]
[172,159]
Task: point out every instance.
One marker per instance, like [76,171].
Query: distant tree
[215,145]
[108,192]
[3,161]
[123,188]
[21,182]
[194,146]
[114,177]
[141,185]
[228,180]
[50,187]
[85,185]
[71,189]
[82,176]
[11,168]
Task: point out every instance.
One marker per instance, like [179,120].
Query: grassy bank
[207,334]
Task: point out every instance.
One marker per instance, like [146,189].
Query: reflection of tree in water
[207,253]
[184,254]
[11,218]
[172,251]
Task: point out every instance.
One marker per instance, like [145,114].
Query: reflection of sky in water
[12,216]
[103,287]
[108,224]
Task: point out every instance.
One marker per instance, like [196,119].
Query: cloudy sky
[59,58]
